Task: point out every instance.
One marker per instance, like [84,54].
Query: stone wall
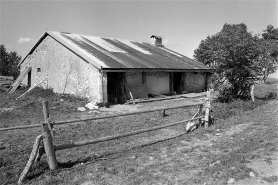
[63,71]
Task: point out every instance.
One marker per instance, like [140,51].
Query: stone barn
[110,70]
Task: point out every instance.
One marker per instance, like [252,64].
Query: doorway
[29,78]
[116,87]
[177,82]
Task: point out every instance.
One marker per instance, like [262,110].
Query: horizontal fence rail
[124,114]
[21,127]
[100,117]
[48,147]
[108,138]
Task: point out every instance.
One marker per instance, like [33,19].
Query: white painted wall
[156,83]
[64,71]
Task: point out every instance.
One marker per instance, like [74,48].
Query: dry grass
[183,160]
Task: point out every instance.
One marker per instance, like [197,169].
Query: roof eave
[33,48]
[54,35]
[155,69]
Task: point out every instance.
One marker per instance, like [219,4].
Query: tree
[9,62]
[270,33]
[231,53]
[267,62]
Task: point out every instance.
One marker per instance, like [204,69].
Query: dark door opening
[116,87]
[177,82]
[29,78]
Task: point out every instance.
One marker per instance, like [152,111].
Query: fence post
[46,117]
[207,110]
[200,113]
[48,137]
[49,148]
[161,113]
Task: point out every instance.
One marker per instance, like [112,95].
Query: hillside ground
[240,148]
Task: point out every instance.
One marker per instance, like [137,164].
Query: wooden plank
[123,114]
[19,79]
[20,127]
[31,159]
[30,89]
[7,77]
[6,81]
[252,93]
[207,110]
[108,138]
[101,117]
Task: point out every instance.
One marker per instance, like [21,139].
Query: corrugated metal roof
[107,53]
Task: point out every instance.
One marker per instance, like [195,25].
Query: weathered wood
[41,151]
[31,159]
[156,99]
[200,113]
[20,127]
[252,93]
[100,117]
[6,77]
[108,138]
[207,110]
[124,114]
[132,98]
[161,113]
[192,125]
[46,117]
[19,79]
[30,89]
[6,82]
[49,148]
[45,110]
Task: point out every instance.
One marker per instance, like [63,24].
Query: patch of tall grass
[34,98]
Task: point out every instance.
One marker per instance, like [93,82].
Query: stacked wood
[6,82]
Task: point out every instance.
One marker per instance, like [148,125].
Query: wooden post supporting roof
[19,80]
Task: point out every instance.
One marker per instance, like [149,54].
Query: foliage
[231,53]
[9,62]
[267,62]
[270,33]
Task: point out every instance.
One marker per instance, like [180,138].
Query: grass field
[243,133]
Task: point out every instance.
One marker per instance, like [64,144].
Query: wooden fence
[47,136]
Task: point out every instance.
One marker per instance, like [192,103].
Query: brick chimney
[156,40]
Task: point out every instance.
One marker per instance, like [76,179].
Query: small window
[143,77]
[38,70]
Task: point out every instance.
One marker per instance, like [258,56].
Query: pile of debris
[6,82]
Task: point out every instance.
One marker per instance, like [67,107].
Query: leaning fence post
[31,160]
[49,148]
[46,117]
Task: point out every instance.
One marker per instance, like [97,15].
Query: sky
[181,24]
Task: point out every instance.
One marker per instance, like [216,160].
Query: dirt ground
[242,149]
